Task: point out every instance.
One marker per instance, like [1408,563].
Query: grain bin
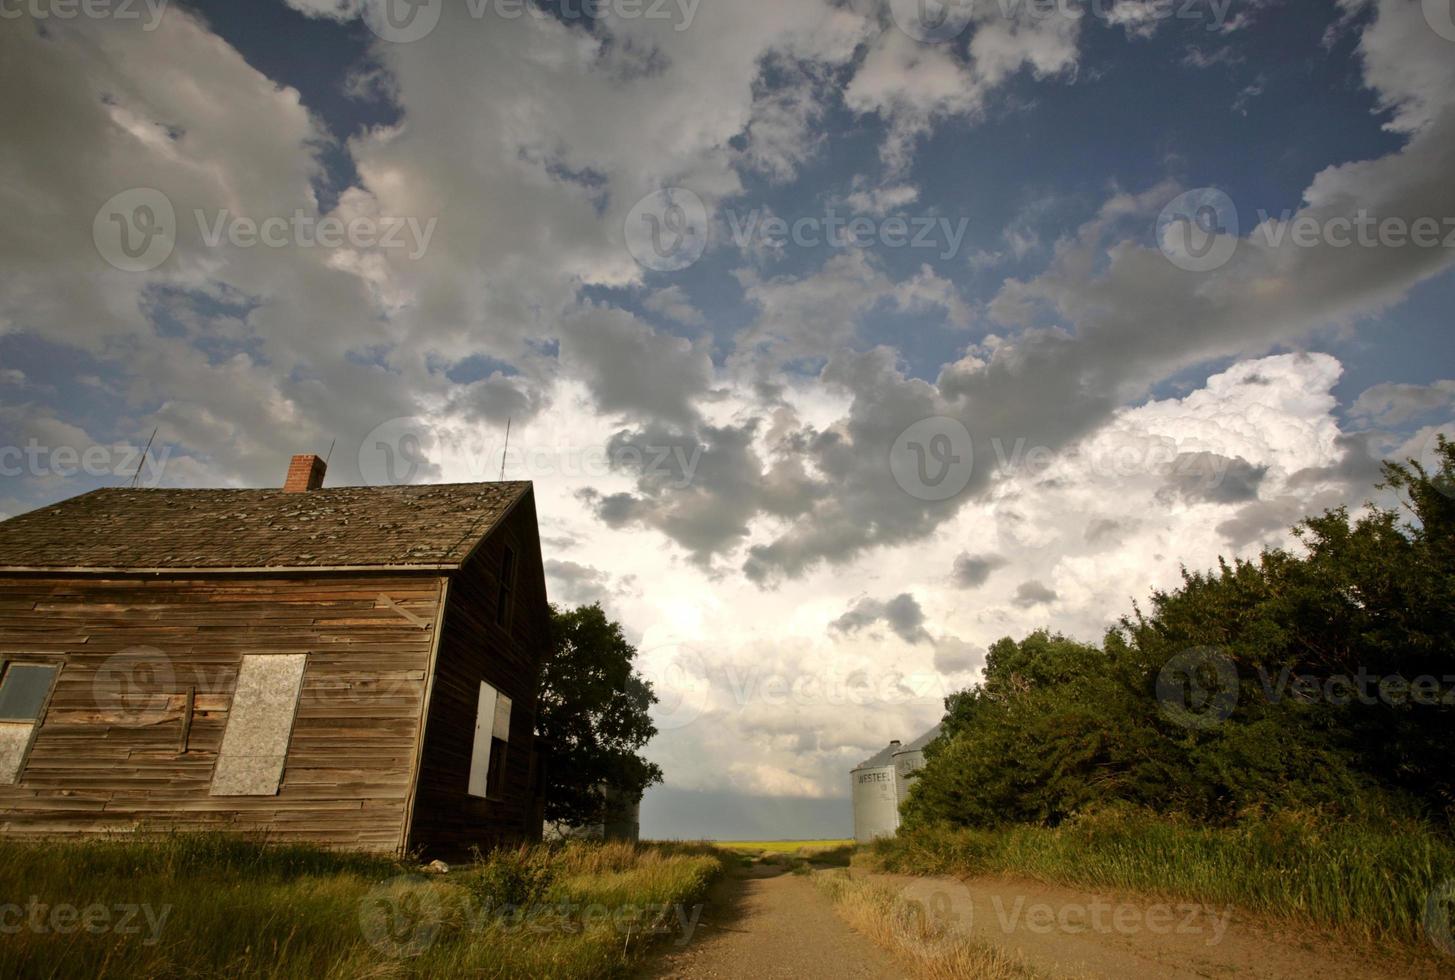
[909,760]
[876,795]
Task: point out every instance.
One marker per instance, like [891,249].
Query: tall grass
[1373,881]
[209,906]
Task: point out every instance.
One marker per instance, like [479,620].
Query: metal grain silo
[909,760]
[876,795]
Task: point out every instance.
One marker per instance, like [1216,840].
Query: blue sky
[723,435]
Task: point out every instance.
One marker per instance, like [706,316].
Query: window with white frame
[25,690]
[492,740]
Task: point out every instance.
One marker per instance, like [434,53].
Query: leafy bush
[511,879]
[1058,728]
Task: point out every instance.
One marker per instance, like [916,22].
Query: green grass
[194,906]
[1370,881]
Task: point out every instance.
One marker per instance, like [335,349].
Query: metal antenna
[137,475]
[505,450]
[329,454]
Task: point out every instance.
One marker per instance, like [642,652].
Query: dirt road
[763,924]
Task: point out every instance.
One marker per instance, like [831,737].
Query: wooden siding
[446,819]
[101,762]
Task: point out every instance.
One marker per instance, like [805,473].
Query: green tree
[1303,639]
[593,716]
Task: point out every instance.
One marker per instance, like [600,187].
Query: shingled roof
[430,526]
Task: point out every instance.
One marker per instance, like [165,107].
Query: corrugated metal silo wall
[876,802]
[906,764]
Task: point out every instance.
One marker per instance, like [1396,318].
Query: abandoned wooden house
[352,666]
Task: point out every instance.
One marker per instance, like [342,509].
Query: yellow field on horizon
[780,846]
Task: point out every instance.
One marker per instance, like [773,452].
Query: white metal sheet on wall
[259,726]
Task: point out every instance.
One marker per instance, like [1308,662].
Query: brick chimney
[304,473]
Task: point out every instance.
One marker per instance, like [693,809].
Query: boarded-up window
[492,734]
[24,691]
[259,726]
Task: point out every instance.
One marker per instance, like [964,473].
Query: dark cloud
[1033,593]
[633,369]
[954,656]
[1394,404]
[615,510]
[1212,478]
[902,614]
[702,486]
[973,570]
[574,584]
[1104,530]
